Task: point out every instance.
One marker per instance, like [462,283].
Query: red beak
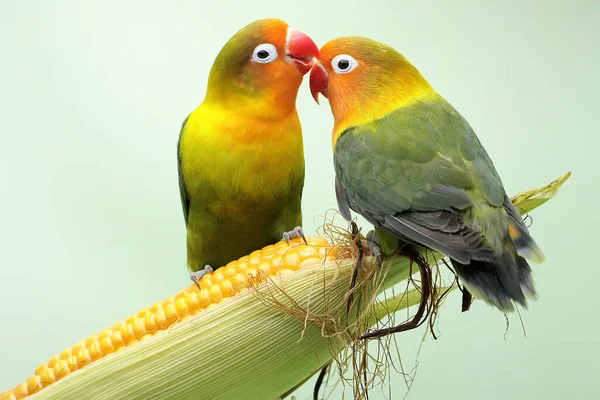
[301,49]
[318,81]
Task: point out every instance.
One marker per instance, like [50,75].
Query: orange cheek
[337,94]
[282,75]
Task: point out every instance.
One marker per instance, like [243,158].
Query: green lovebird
[411,165]
[240,153]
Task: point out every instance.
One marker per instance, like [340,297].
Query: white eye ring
[348,63]
[264,53]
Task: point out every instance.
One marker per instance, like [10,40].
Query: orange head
[261,67]
[364,80]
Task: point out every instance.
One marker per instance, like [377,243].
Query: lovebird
[240,153]
[410,164]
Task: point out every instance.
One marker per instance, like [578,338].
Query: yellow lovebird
[240,154]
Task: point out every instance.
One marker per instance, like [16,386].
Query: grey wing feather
[443,197]
[443,231]
[185,201]
[440,241]
[342,200]
[512,212]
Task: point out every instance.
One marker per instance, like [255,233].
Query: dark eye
[343,65]
[264,53]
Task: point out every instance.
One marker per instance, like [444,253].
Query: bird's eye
[343,63]
[264,53]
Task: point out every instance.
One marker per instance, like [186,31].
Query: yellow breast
[228,158]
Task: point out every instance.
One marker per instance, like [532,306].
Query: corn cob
[280,258]
[155,376]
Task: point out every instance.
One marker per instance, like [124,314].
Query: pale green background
[92,94]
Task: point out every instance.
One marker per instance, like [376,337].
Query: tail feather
[501,282]
[524,243]
[506,278]
[519,234]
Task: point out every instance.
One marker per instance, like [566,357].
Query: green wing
[185,201]
[417,173]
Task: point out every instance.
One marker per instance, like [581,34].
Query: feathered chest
[228,159]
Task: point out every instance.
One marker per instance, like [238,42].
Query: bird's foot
[196,276]
[373,243]
[296,233]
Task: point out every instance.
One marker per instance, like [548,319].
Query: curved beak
[301,50]
[318,81]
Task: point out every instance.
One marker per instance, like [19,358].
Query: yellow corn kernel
[281,251]
[160,321]
[227,288]
[8,395]
[118,325]
[276,264]
[72,363]
[254,260]
[65,354]
[181,307]
[239,279]
[206,281]
[171,314]
[77,348]
[39,369]
[47,377]
[204,298]
[278,259]
[265,267]
[305,252]
[61,369]
[150,323]
[84,359]
[291,261]
[217,276]
[215,294]
[34,384]
[267,255]
[127,333]
[21,391]
[106,332]
[228,272]
[242,266]
[106,346]
[139,327]
[95,353]
[168,301]
[91,339]
[310,262]
[117,340]
[53,361]
[191,302]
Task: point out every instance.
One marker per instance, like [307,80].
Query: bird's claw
[373,243]
[196,276]
[296,233]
